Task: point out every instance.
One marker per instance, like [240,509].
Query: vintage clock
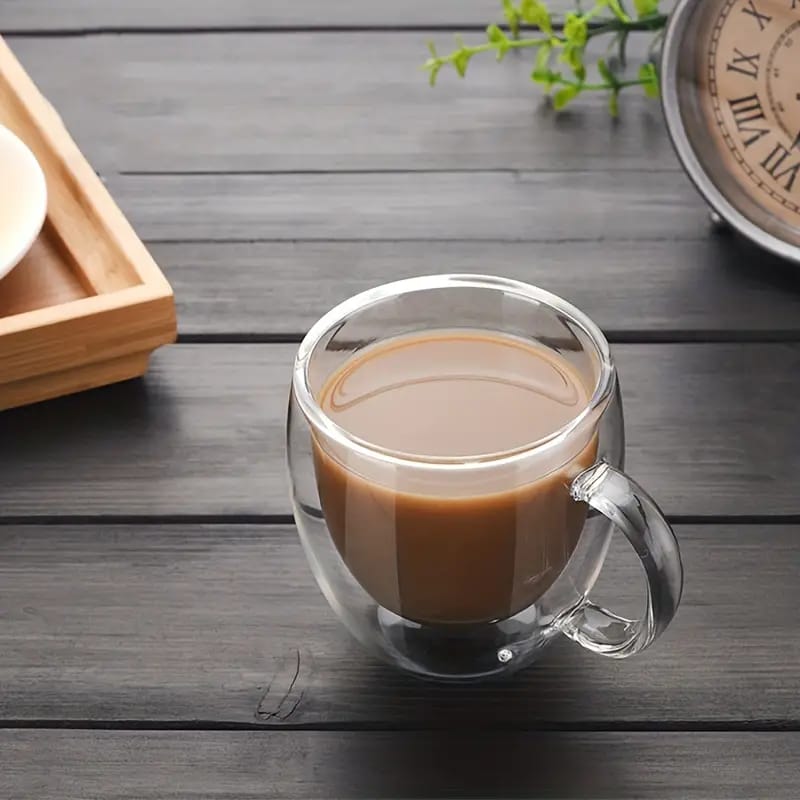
[731,93]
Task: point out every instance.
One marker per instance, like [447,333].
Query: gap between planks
[244,173]
[613,337]
[192,30]
[277,520]
[611,726]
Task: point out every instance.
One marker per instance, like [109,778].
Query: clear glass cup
[579,466]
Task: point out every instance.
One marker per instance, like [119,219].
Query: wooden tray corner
[87,305]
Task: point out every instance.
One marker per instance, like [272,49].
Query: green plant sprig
[564,41]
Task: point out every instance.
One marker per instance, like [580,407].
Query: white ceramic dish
[23,200]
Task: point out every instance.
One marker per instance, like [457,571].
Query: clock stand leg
[718,224]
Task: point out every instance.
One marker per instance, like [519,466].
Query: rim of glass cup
[359,302]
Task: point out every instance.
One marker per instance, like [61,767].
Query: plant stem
[602,87]
[565,40]
[654,23]
[513,44]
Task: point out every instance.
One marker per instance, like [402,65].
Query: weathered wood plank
[179,623]
[717,286]
[202,434]
[143,765]
[537,206]
[323,102]
[48,15]
[711,430]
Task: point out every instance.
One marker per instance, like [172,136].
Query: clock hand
[796,142]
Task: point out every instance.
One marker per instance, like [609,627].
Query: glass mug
[526,531]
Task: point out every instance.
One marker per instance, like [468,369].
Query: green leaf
[432,49]
[564,95]
[619,12]
[461,61]
[535,12]
[649,77]
[541,67]
[605,73]
[613,103]
[576,30]
[433,66]
[645,8]
[512,17]
[547,78]
[494,34]
[573,57]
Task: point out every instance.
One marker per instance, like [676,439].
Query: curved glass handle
[635,513]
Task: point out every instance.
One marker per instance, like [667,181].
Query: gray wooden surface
[160,633]
[324,102]
[203,434]
[177,15]
[149,765]
[512,206]
[180,623]
[661,290]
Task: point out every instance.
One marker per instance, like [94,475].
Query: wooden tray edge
[88,376]
[91,338]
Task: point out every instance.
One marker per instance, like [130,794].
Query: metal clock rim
[680,141]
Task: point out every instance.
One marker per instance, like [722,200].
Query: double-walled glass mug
[459,568]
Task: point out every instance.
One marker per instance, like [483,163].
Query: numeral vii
[747,65]
[747,110]
[773,164]
[762,19]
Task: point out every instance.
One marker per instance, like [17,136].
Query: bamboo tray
[87,305]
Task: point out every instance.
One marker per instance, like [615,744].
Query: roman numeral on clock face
[747,65]
[775,165]
[762,19]
[747,111]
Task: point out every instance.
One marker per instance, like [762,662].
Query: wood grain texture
[224,624]
[325,101]
[42,279]
[202,433]
[711,429]
[249,765]
[530,206]
[713,287]
[48,15]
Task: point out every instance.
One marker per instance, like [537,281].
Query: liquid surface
[454,394]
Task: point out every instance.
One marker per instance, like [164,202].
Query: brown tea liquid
[444,553]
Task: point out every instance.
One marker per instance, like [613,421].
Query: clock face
[738,76]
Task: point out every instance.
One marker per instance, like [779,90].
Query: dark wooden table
[160,632]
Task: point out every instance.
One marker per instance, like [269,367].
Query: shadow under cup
[493,549]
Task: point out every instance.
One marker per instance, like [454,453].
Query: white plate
[23,200]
